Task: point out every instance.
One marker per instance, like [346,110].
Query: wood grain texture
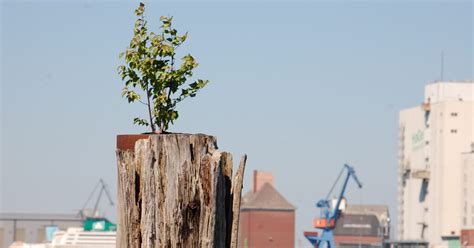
[176,190]
[236,197]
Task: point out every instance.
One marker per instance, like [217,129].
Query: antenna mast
[442,65]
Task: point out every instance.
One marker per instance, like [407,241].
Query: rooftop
[380,211]
[266,198]
[366,209]
[39,216]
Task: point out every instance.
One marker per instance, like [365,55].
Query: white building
[32,227]
[468,190]
[433,137]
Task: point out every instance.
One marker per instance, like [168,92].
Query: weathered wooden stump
[176,190]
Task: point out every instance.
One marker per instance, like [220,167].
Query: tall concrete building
[468,189]
[467,233]
[433,138]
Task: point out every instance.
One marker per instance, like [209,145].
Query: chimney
[260,178]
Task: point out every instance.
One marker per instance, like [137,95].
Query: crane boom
[350,172]
[102,187]
[329,217]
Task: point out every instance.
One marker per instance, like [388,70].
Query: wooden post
[176,190]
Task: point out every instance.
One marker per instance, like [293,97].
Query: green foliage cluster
[151,69]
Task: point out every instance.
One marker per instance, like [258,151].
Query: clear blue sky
[300,87]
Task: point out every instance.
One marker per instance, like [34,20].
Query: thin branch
[144,103]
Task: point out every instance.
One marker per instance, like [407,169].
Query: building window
[427,159]
[1,237]
[454,131]
[454,114]
[427,142]
[41,235]
[20,234]
[427,118]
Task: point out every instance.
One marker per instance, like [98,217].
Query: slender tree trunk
[176,190]
[149,111]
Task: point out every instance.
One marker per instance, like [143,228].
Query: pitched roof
[266,198]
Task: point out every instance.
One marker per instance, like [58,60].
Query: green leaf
[140,122]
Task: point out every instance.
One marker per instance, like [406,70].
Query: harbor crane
[95,211]
[94,221]
[330,214]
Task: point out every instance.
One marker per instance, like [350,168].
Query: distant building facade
[467,232]
[468,189]
[267,219]
[31,227]
[362,226]
[431,176]
[405,244]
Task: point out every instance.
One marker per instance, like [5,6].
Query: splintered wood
[176,190]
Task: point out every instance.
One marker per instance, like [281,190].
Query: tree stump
[176,190]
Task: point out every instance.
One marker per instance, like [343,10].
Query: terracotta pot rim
[156,133]
[127,141]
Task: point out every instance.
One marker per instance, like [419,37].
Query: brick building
[267,219]
[467,238]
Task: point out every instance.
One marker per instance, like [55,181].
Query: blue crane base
[330,217]
[325,240]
